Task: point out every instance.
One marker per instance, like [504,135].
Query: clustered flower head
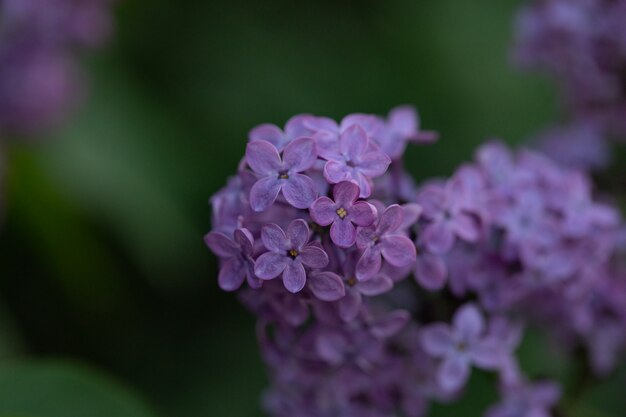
[375,297]
[39,78]
[581,44]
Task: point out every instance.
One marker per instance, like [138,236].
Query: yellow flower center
[293,253]
[352,281]
[342,213]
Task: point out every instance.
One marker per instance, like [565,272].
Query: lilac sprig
[325,225]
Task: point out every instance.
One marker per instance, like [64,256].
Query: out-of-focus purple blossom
[460,346]
[238,256]
[445,210]
[581,44]
[384,240]
[40,81]
[343,213]
[580,145]
[282,174]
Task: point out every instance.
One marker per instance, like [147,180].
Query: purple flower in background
[430,270]
[459,346]
[356,159]
[401,128]
[384,240]
[237,254]
[344,212]
[284,173]
[445,209]
[527,400]
[288,254]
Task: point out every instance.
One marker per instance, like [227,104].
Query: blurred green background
[108,296]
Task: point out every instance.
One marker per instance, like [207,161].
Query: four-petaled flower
[288,254]
[355,158]
[237,253]
[386,240]
[459,346]
[284,174]
[344,212]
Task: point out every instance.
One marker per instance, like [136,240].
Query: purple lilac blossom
[40,81]
[344,212]
[278,174]
[515,239]
[288,254]
[581,44]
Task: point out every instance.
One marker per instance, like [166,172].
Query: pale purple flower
[282,174]
[460,346]
[343,213]
[445,208]
[237,255]
[384,240]
[430,270]
[288,255]
[356,159]
[294,128]
[402,127]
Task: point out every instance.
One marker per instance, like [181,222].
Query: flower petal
[350,305]
[391,219]
[436,339]
[263,157]
[453,373]
[274,239]
[398,250]
[294,277]
[300,154]
[232,275]
[438,237]
[466,227]
[345,193]
[299,191]
[369,264]
[221,244]
[430,271]
[335,172]
[269,265]
[379,284]
[323,211]
[374,163]
[390,324]
[343,233]
[245,240]
[487,354]
[313,257]
[362,213]
[468,321]
[297,234]
[269,133]
[353,143]
[264,193]
[326,286]
[327,144]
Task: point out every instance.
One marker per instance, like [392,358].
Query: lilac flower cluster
[582,45]
[39,79]
[325,226]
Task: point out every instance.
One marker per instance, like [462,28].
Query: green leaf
[62,389]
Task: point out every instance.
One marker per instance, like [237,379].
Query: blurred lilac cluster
[39,78]
[582,45]
[325,226]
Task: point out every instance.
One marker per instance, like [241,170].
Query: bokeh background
[108,296]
